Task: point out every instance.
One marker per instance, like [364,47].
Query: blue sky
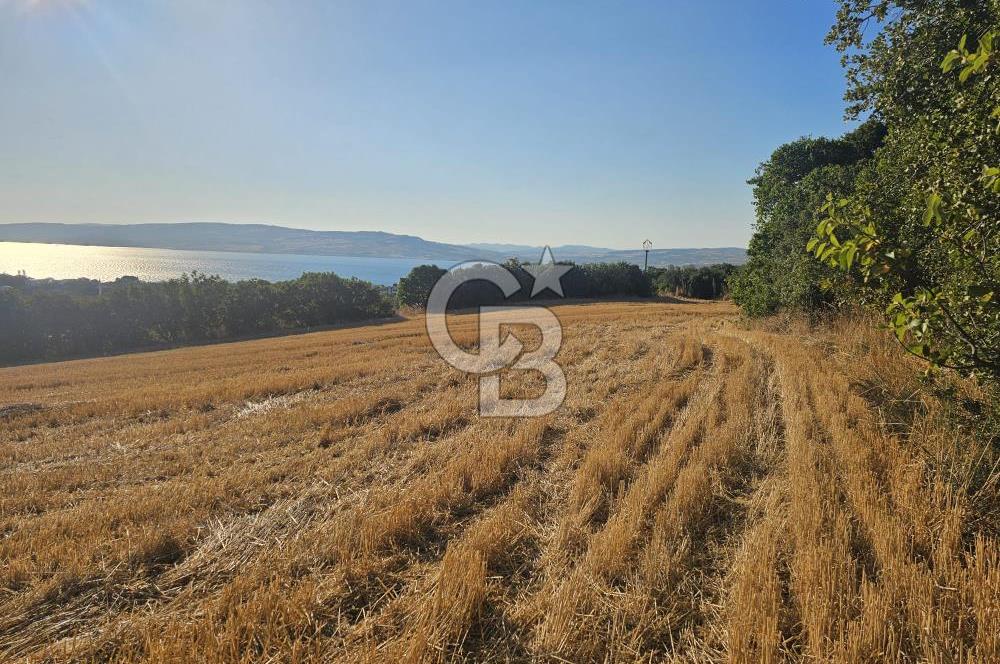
[469,121]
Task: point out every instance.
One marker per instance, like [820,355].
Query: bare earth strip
[710,491]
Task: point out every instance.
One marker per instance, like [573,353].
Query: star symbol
[547,274]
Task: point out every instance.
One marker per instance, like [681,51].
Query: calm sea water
[63,261]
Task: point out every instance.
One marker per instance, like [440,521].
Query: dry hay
[708,492]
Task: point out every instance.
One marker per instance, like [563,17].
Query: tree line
[590,280]
[51,319]
[902,215]
[582,281]
[705,282]
[47,319]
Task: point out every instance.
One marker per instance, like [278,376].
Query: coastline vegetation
[48,319]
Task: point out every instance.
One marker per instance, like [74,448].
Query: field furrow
[707,492]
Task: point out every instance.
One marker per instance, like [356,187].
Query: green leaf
[981,293]
[933,212]
[847,258]
[949,61]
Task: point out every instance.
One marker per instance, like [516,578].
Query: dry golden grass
[708,492]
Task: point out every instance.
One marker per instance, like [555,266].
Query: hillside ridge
[266,238]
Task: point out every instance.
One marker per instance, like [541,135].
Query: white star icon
[547,274]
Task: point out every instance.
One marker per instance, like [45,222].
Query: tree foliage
[583,281]
[788,189]
[910,225]
[414,289]
[922,229]
[46,319]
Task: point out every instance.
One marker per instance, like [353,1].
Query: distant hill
[657,257]
[664,257]
[504,249]
[251,238]
[261,238]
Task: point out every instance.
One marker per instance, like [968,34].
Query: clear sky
[528,122]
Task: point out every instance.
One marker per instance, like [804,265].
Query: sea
[64,261]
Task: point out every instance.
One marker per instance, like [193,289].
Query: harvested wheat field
[708,492]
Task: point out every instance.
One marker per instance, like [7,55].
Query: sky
[601,123]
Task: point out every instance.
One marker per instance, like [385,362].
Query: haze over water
[61,261]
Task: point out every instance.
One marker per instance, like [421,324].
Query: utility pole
[647,245]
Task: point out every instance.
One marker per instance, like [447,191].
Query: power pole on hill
[647,245]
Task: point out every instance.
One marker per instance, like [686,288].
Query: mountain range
[261,238]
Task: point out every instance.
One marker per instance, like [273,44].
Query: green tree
[414,289]
[788,189]
[922,228]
